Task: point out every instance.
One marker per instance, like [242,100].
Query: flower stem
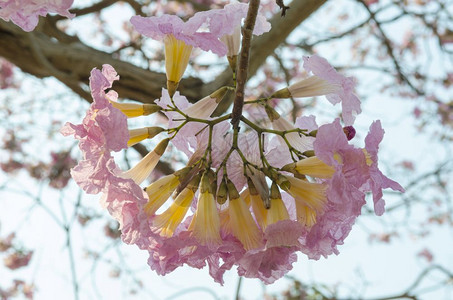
[241,75]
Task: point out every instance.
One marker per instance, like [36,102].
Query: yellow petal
[314,167]
[177,54]
[132,110]
[309,194]
[206,222]
[173,216]
[243,226]
[159,191]
[140,134]
[277,211]
[259,210]
[305,214]
[145,166]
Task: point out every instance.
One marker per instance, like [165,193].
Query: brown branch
[244,56]
[88,10]
[137,7]
[282,6]
[78,59]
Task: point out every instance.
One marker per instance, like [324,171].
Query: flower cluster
[25,14]
[251,197]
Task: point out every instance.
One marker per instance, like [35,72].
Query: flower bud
[222,193]
[271,113]
[283,93]
[232,191]
[140,134]
[204,108]
[308,87]
[219,94]
[132,110]
[311,166]
[145,166]
[349,131]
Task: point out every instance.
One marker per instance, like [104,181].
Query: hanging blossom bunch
[250,196]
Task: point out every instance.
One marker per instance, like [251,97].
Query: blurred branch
[238,288]
[389,47]
[77,59]
[184,292]
[90,9]
[409,293]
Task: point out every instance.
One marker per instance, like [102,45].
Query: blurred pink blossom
[25,13]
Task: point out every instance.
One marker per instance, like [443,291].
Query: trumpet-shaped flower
[132,110]
[206,222]
[243,226]
[170,219]
[344,92]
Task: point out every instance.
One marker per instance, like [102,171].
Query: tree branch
[242,68]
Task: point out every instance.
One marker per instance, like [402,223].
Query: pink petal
[349,101]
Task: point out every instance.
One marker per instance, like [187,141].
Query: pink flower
[125,201]
[219,22]
[17,260]
[58,173]
[103,129]
[7,243]
[370,2]
[426,254]
[267,265]
[275,259]
[25,14]
[354,175]
[377,180]
[349,101]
